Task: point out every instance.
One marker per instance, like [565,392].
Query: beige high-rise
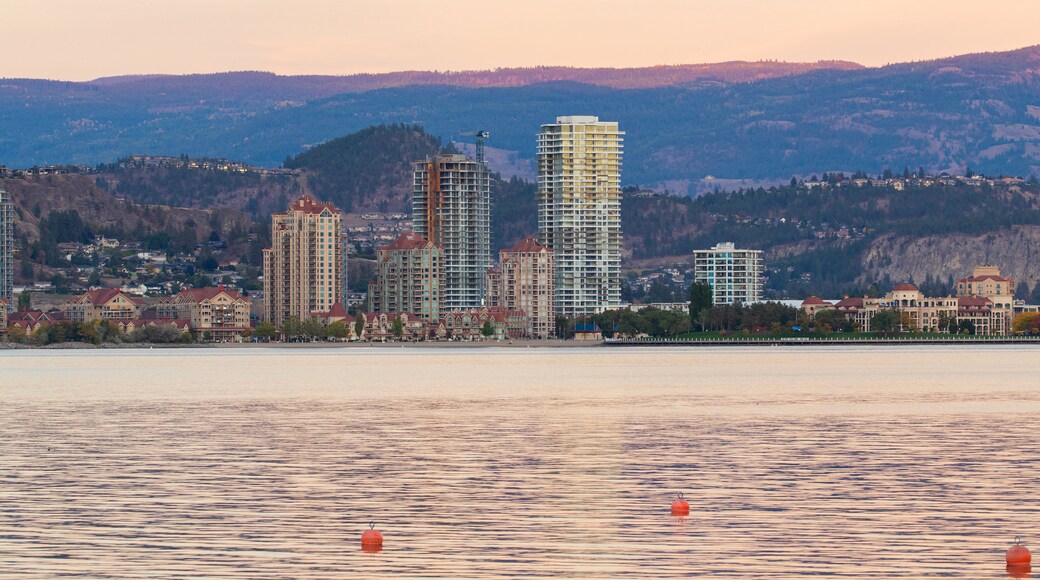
[409,278]
[525,280]
[303,266]
[579,211]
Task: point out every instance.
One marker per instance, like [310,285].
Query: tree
[488,330]
[266,331]
[885,322]
[397,327]
[337,330]
[359,325]
[24,301]
[700,300]
[1026,323]
[291,327]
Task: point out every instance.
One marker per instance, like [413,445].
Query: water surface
[862,462]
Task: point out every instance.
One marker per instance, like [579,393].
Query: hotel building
[303,266]
[734,275]
[451,207]
[221,313]
[409,278]
[579,211]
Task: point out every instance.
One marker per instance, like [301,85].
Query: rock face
[1016,251]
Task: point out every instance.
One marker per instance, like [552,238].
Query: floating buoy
[680,507]
[1018,555]
[371,539]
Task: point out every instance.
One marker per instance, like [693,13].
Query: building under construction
[451,207]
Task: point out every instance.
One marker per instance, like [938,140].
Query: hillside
[367,170]
[977,110]
[57,209]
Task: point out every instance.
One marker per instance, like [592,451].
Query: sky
[86,39]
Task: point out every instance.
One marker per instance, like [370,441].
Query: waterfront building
[735,275]
[506,323]
[409,278]
[303,266]
[102,304]
[579,211]
[379,326]
[525,281]
[986,282]
[3,316]
[919,313]
[451,207]
[6,249]
[213,313]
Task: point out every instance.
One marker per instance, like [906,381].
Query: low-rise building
[214,313]
[102,304]
[3,316]
[379,326]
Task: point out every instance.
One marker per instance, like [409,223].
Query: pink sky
[81,39]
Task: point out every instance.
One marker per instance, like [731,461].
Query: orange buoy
[1018,555]
[371,539]
[680,507]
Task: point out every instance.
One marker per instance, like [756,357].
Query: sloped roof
[993,277]
[973,302]
[815,301]
[409,241]
[309,205]
[528,245]
[102,296]
[905,287]
[850,303]
[208,293]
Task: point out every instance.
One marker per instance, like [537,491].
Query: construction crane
[480,134]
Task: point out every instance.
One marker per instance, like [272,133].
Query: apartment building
[303,268]
[215,313]
[102,304]
[526,280]
[451,207]
[409,278]
[579,211]
[735,275]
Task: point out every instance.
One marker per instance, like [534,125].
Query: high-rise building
[451,207]
[6,249]
[734,275]
[409,278]
[579,211]
[525,280]
[302,267]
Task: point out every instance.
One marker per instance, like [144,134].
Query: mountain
[683,127]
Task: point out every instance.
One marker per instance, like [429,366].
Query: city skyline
[342,38]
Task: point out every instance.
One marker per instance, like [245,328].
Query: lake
[860,462]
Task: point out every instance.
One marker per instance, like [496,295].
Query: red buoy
[371,539]
[680,507]
[1018,555]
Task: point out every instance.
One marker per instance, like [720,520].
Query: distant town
[435,278]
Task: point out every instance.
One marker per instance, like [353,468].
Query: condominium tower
[451,207]
[6,249]
[526,280]
[409,278]
[579,211]
[734,275]
[302,268]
